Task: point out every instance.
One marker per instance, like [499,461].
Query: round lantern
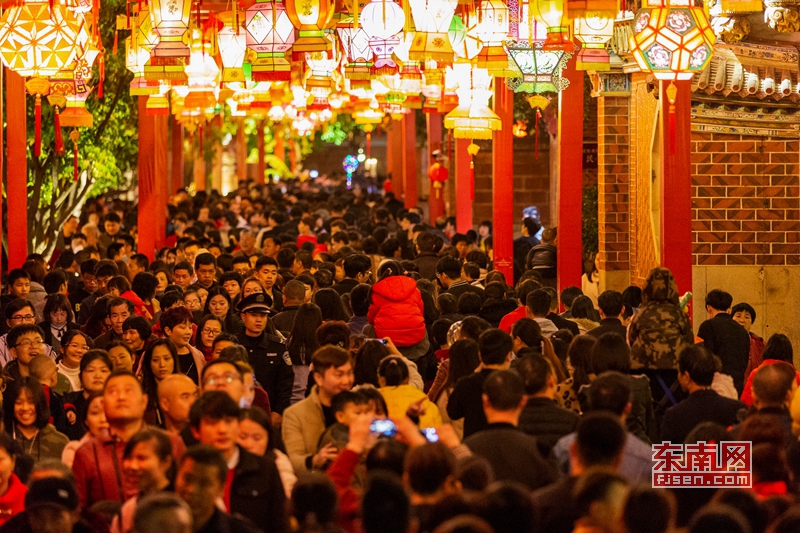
[673,39]
[311,18]
[593,31]
[270,34]
[383,20]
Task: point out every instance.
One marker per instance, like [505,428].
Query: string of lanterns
[302,62]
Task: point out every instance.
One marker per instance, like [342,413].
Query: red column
[2,160]
[676,186]
[409,147]
[200,177]
[570,179]
[434,127]
[280,147]
[463,187]
[503,182]
[262,153]
[394,157]
[147,177]
[177,156]
[17,144]
[160,181]
[241,151]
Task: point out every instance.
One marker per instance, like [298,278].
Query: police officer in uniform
[268,355]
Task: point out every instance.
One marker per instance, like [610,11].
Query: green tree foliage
[107,151]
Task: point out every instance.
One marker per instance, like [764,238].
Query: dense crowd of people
[318,359]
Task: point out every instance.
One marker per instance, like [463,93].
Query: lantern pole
[409,157]
[463,187]
[262,155]
[503,182]
[676,185]
[280,145]
[177,156]
[570,179]
[17,158]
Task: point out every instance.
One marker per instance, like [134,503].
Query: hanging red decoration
[74,136]
[57,101]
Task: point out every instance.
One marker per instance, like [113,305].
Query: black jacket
[730,342]
[701,406]
[460,287]
[345,286]
[544,419]
[273,368]
[466,402]
[283,321]
[517,459]
[609,325]
[224,523]
[555,506]
[543,258]
[257,493]
[563,323]
[426,264]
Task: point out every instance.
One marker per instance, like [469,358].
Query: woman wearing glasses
[208,329]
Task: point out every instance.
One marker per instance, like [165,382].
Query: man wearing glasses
[20,313]
[24,343]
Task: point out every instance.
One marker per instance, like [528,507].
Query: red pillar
[434,127]
[2,160]
[147,179]
[463,187]
[409,156]
[676,186]
[503,182]
[262,153]
[160,181]
[200,177]
[17,143]
[177,156]
[394,158]
[280,146]
[241,151]
[570,179]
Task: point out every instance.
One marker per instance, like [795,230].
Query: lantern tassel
[536,129]
[37,139]
[74,136]
[102,72]
[59,136]
[672,95]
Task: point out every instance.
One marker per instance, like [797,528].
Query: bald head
[772,385]
[176,394]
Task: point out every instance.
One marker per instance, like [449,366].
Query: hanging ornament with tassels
[74,136]
[58,102]
[538,103]
[472,149]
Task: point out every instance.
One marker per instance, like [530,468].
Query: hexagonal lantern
[673,39]
[270,33]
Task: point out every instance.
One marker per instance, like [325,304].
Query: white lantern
[432,20]
[383,20]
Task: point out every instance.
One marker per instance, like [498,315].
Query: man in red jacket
[98,463]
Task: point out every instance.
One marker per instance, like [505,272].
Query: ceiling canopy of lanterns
[302,62]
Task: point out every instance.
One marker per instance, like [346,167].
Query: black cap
[255,302]
[52,491]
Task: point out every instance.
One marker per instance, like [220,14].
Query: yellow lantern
[232,45]
[321,65]
[551,13]
[432,20]
[492,29]
[72,83]
[473,118]
[593,31]
[673,39]
[270,34]
[311,18]
[171,22]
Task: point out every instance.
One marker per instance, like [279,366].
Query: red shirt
[13,501]
[508,321]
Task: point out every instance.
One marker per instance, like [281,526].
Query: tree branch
[104,123]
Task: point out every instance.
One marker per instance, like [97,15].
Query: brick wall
[613,136]
[746,200]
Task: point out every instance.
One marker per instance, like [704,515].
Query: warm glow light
[594,31]
[551,13]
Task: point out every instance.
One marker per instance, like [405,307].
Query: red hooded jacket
[397,311]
